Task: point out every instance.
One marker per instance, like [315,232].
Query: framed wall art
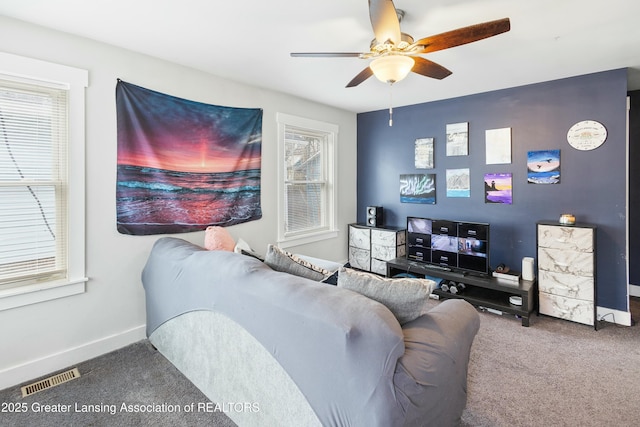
[458,139]
[498,188]
[543,167]
[498,146]
[418,188]
[458,183]
[424,153]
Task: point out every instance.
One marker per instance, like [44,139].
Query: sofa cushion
[406,298]
[217,238]
[284,261]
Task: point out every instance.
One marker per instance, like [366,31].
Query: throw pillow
[333,279]
[218,238]
[284,261]
[331,266]
[243,248]
[406,298]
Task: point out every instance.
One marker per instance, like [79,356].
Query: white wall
[38,339]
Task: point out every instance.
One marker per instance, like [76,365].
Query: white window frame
[329,229]
[21,69]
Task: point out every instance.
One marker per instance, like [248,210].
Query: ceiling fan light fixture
[391,68]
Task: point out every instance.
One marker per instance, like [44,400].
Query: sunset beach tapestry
[184,165]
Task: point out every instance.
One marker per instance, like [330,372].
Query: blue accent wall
[634,187]
[592,183]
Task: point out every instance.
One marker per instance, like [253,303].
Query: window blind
[33,181]
[305,184]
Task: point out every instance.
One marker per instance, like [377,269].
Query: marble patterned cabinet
[371,247]
[567,271]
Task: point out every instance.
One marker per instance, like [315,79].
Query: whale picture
[543,167]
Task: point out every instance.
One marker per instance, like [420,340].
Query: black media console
[487,292]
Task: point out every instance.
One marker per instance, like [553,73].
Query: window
[33,172]
[41,180]
[307,180]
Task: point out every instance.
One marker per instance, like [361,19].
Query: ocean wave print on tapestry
[184,165]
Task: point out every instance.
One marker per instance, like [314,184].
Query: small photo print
[498,188]
[418,188]
[543,167]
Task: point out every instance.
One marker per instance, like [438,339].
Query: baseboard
[614,316]
[54,362]
[634,290]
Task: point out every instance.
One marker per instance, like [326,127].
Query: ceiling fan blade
[384,20]
[463,35]
[326,54]
[429,68]
[362,76]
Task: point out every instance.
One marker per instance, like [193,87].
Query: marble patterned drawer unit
[371,247]
[570,262]
[576,310]
[360,247]
[567,271]
[566,285]
[565,237]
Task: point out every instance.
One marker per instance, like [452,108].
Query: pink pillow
[218,239]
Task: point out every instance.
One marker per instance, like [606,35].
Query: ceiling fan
[395,53]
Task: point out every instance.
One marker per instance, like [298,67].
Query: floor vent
[53,381]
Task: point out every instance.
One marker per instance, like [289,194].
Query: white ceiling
[249,41]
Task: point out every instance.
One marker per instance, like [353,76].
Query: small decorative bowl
[567,219]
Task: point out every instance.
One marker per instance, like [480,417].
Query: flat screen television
[454,245]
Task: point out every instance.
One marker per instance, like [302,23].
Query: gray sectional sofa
[273,348]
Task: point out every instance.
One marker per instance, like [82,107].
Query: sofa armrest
[446,331]
[432,373]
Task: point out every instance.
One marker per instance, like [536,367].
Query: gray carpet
[554,373]
[134,375]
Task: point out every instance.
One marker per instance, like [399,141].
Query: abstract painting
[458,139]
[543,167]
[498,188]
[183,165]
[498,146]
[418,188]
[424,153]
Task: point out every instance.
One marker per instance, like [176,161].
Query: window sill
[20,296]
[309,238]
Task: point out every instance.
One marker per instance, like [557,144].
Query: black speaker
[374,216]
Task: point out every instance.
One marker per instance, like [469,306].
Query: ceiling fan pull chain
[391,105]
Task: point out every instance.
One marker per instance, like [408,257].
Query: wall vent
[52,381]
